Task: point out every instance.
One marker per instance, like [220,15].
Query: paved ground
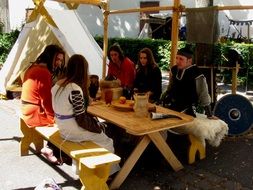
[227,167]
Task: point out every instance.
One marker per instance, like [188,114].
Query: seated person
[187,87]
[36,98]
[121,68]
[148,76]
[70,99]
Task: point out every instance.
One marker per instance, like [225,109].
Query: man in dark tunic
[187,87]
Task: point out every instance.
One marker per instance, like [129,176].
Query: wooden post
[248,33]
[234,77]
[174,32]
[105,44]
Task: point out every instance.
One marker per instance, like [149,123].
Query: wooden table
[146,128]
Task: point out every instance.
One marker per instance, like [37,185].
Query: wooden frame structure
[177,9]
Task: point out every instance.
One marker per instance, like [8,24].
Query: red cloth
[36,92]
[125,73]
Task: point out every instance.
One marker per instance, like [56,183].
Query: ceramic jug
[141,104]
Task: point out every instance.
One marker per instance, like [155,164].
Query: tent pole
[174,33]
[105,44]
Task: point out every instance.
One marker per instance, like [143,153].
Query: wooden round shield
[236,111]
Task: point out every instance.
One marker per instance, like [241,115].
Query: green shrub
[160,48]
[7,40]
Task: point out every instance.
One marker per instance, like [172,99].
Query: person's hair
[116,47]
[48,56]
[150,58]
[77,72]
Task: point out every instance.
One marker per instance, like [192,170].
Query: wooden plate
[128,106]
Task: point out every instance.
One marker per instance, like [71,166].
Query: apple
[122,99]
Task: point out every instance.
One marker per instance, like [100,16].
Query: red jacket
[36,97]
[125,73]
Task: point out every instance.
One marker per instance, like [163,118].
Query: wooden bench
[196,149]
[94,162]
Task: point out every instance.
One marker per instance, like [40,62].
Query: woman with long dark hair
[36,96]
[120,66]
[148,75]
[36,88]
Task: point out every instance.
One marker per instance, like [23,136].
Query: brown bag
[88,122]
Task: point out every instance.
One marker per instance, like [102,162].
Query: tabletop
[138,125]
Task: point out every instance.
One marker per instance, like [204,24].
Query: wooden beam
[105,44]
[146,9]
[239,7]
[231,7]
[91,2]
[174,33]
[40,10]
[72,5]
[180,8]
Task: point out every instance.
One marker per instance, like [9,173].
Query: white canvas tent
[70,33]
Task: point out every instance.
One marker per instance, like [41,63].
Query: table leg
[164,148]
[130,162]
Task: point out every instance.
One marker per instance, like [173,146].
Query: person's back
[70,102]
[73,133]
[36,98]
[36,88]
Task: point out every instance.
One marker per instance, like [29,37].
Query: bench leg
[29,136]
[94,179]
[196,146]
